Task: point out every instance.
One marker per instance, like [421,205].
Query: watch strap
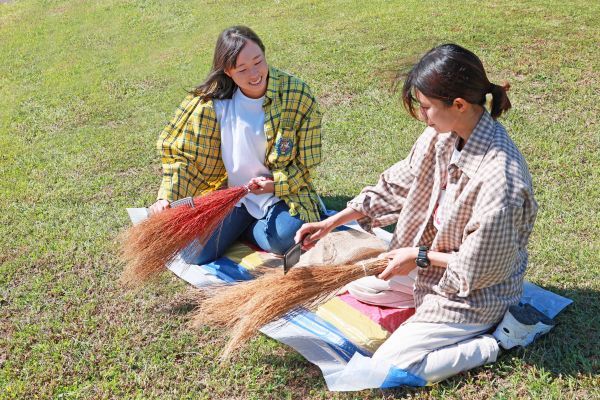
[422,260]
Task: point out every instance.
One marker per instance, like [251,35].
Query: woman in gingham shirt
[463,198]
[247,124]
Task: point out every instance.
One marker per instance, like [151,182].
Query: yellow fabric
[250,259]
[190,146]
[355,326]
[239,251]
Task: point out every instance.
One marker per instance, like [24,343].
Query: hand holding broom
[150,245]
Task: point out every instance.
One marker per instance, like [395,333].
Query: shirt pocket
[284,147]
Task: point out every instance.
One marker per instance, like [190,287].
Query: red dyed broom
[150,245]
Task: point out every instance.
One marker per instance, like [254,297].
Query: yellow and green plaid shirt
[190,146]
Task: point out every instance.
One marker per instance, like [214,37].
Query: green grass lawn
[85,88]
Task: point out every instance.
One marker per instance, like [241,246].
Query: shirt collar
[272,85]
[477,146]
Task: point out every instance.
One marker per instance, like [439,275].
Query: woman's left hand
[261,185]
[402,261]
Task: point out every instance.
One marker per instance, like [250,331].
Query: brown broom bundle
[150,245]
[242,309]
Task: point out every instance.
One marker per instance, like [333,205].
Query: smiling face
[251,71]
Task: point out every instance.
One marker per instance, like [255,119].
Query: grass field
[85,88]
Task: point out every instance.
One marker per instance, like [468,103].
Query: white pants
[431,351]
[435,351]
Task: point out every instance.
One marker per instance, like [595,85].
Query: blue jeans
[273,233]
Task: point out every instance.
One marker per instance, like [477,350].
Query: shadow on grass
[337,203]
[182,308]
[572,347]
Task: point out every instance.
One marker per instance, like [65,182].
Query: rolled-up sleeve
[489,252]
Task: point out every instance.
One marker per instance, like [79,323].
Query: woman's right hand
[310,233]
[158,206]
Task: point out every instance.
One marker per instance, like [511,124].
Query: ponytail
[500,102]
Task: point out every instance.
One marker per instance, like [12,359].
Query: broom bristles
[244,308]
[149,246]
[221,303]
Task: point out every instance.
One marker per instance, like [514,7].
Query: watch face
[422,263]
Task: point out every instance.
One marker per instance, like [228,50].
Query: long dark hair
[230,43]
[448,72]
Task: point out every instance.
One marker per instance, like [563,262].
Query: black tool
[291,257]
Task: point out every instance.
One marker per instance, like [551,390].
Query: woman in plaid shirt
[247,124]
[464,207]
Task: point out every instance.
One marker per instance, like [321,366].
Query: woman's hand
[158,206]
[261,185]
[402,261]
[310,233]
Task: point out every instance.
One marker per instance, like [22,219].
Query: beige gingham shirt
[490,213]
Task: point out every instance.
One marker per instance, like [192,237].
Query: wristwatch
[422,260]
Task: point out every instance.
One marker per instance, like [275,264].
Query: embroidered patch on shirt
[284,146]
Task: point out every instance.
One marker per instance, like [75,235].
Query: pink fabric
[388,318]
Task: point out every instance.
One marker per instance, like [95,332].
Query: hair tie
[505,87]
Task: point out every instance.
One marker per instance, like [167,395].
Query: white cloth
[436,351]
[396,292]
[243,147]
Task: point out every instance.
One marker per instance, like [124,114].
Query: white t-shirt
[244,146]
[439,215]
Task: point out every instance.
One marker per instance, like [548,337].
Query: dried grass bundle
[150,245]
[242,309]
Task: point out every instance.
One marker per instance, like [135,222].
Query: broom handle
[189,201]
[186,201]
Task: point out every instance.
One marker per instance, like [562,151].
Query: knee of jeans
[279,231]
[279,245]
